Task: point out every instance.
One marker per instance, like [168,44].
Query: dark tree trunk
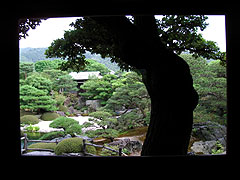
[168,81]
[173,100]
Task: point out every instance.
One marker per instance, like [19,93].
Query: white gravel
[44,125]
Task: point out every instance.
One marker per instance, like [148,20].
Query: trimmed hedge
[73,145]
[49,116]
[29,119]
[63,108]
[43,146]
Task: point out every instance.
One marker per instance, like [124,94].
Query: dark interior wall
[41,9]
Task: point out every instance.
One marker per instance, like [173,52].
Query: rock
[71,110]
[130,145]
[121,142]
[134,146]
[61,138]
[39,153]
[206,147]
[93,105]
[85,137]
[209,131]
[61,113]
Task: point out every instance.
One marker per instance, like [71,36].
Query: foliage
[35,99]
[49,116]
[24,69]
[63,108]
[219,149]
[42,146]
[93,65]
[73,145]
[53,74]
[74,129]
[177,33]
[210,82]
[42,65]
[131,101]
[39,82]
[106,152]
[63,122]
[52,135]
[100,89]
[31,128]
[29,119]
[26,24]
[69,125]
[60,98]
[65,83]
[32,55]
[101,119]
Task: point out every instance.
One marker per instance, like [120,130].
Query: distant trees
[44,77]
[209,80]
[46,64]
[37,82]
[101,89]
[24,69]
[103,120]
[93,65]
[35,99]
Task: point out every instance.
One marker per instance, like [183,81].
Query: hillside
[36,54]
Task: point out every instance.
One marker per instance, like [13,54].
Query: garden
[53,108]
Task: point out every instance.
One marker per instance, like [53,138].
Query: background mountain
[37,54]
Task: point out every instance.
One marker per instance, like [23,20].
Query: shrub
[52,135]
[29,119]
[75,128]
[73,145]
[49,116]
[32,128]
[63,108]
[23,113]
[43,146]
[63,122]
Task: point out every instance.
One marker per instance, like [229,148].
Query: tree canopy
[177,32]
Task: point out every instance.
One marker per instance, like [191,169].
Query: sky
[53,28]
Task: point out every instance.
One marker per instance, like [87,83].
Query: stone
[85,137]
[93,104]
[71,110]
[61,138]
[39,153]
[201,147]
[130,145]
[61,113]
[209,131]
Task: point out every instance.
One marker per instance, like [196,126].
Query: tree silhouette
[149,47]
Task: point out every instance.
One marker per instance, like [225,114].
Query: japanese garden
[147,86]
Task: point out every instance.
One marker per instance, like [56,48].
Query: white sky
[53,28]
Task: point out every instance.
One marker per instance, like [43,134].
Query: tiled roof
[84,75]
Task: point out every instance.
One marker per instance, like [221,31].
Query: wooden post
[120,151]
[25,142]
[84,147]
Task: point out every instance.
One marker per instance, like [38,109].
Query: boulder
[209,131]
[130,145]
[93,105]
[61,113]
[201,147]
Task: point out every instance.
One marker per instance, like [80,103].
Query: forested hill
[36,54]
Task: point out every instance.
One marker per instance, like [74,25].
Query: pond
[31,136]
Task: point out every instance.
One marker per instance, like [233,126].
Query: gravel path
[44,125]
